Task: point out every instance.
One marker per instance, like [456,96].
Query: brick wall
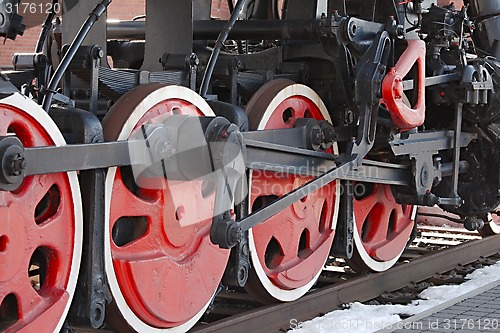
[220,9]
[126,9]
[119,9]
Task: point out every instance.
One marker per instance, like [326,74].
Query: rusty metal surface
[272,318]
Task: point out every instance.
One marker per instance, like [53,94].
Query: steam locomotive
[147,164]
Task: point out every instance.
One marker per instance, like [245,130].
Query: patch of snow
[371,318]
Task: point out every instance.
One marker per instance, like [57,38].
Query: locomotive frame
[350,121]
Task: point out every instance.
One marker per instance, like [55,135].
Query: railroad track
[436,250]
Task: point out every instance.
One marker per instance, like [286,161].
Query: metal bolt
[398,88]
[194,61]
[235,234]
[166,151]
[17,165]
[349,117]
[244,249]
[400,31]
[317,136]
[424,176]
[97,52]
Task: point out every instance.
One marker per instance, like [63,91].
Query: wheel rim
[493,226]
[382,227]
[164,277]
[40,231]
[288,250]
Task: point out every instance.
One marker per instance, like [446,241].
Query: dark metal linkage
[79,157]
[68,57]
[456,151]
[343,243]
[296,137]
[96,53]
[369,76]
[88,308]
[443,216]
[285,159]
[433,80]
[278,205]
[379,172]
[230,5]
[267,157]
[432,141]
[218,47]
[47,26]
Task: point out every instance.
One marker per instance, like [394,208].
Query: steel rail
[277,317]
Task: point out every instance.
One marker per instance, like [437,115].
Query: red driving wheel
[382,227]
[162,268]
[40,231]
[288,251]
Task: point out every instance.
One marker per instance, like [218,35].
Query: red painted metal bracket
[403,116]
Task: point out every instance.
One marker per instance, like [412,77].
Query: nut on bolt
[97,52]
[235,233]
[17,165]
[473,223]
[166,150]
[193,60]
[317,136]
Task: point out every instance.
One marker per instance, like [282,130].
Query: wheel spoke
[380,219]
[52,235]
[134,204]
[288,238]
[363,209]
[28,298]
[317,205]
[402,218]
[33,194]
[385,250]
[146,248]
